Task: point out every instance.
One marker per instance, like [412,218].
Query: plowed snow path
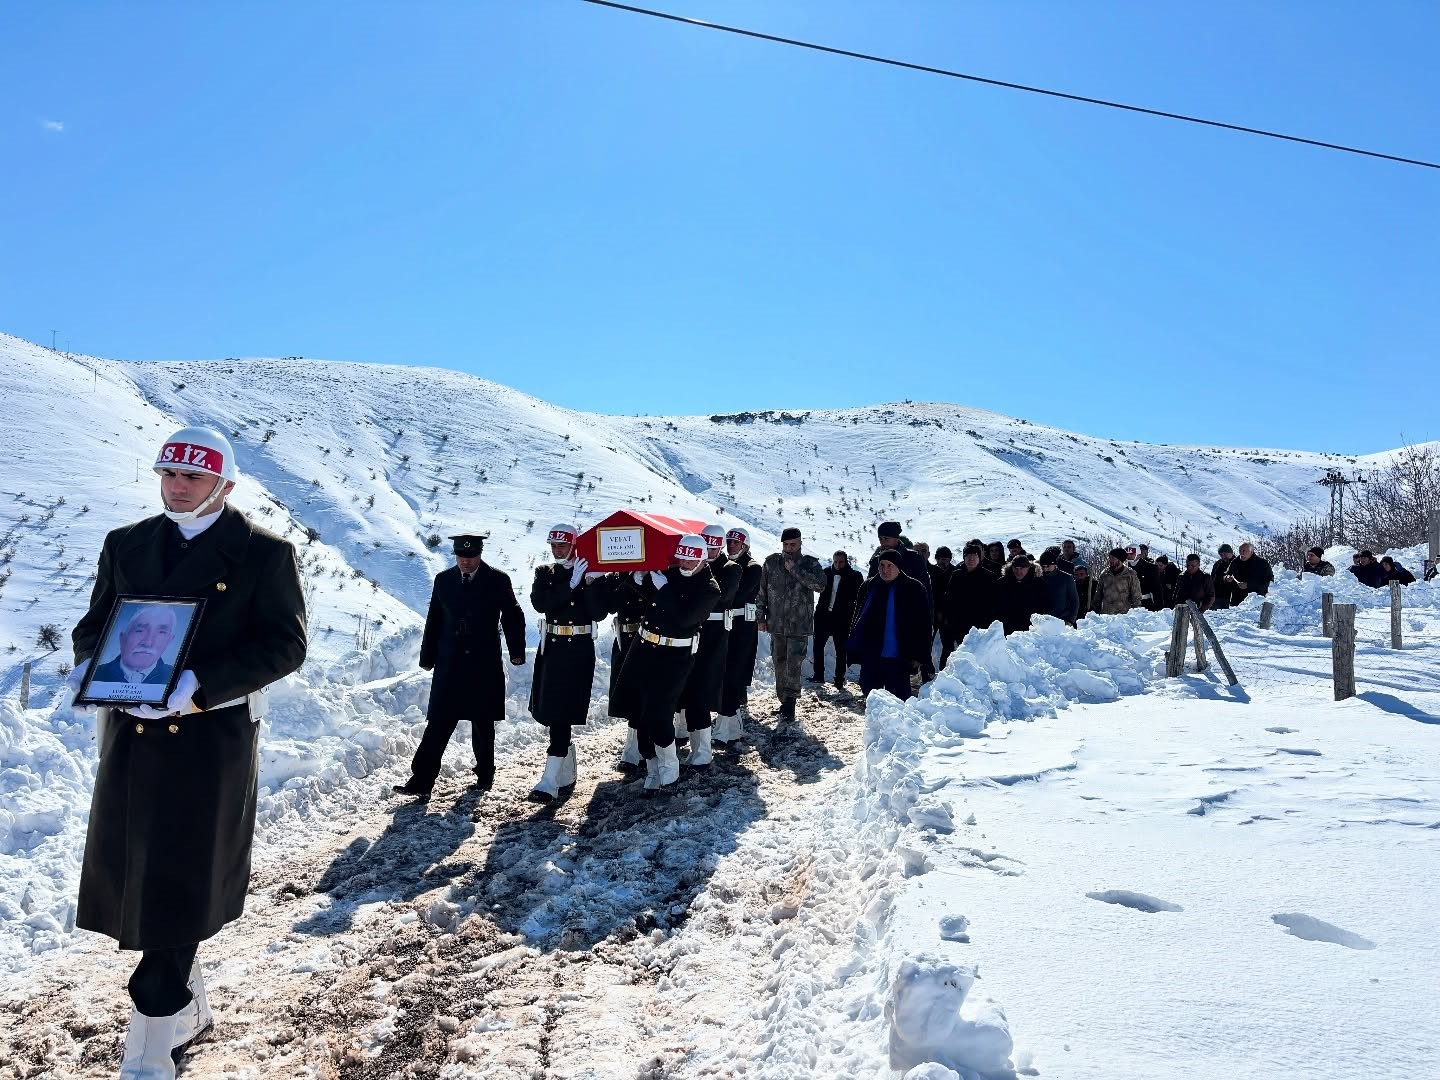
[614,936]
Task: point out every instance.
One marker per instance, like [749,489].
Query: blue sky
[627,215]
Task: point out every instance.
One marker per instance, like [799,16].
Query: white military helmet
[691,547]
[562,534]
[739,535]
[198,449]
[714,537]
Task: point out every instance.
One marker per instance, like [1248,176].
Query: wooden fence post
[1175,658]
[1327,617]
[1192,616]
[1267,612]
[1203,626]
[1342,651]
[1395,637]
[25,686]
[1435,538]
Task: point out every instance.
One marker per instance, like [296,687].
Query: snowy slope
[376,459]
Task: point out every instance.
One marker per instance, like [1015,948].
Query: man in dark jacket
[700,699]
[470,605]
[834,612]
[1218,574]
[994,558]
[1061,598]
[659,663]
[744,638]
[1195,585]
[1315,564]
[1086,597]
[912,565]
[1249,575]
[1149,579]
[571,602]
[172,817]
[1020,595]
[1395,572]
[1367,571]
[969,601]
[891,634]
[1166,574]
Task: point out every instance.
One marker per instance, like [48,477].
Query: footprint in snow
[1136,901]
[1297,751]
[1282,730]
[1310,928]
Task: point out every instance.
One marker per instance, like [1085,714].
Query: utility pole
[52,340]
[1337,482]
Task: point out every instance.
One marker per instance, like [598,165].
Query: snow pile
[938,1016]
[993,677]
[1297,603]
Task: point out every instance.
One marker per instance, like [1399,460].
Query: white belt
[656,639]
[720,616]
[568,629]
[227,704]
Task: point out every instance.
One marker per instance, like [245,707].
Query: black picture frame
[99,688]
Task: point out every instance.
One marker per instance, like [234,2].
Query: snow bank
[940,1021]
[1297,602]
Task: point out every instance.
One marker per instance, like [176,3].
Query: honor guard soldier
[167,854]
[470,605]
[744,639]
[565,663]
[701,697]
[658,664]
[628,597]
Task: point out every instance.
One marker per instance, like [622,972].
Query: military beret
[791,533]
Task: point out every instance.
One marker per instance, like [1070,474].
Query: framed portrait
[142,651]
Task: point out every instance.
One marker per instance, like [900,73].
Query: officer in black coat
[567,595]
[167,854]
[628,597]
[470,605]
[970,601]
[834,613]
[1219,574]
[701,697]
[658,664]
[744,639]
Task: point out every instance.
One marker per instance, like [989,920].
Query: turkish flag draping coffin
[630,540]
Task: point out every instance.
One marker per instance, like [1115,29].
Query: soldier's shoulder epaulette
[265,538]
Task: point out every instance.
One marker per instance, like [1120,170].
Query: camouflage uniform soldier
[788,584]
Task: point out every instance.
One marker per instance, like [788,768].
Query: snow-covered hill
[361,464]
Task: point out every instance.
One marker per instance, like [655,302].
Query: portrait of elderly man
[144,638]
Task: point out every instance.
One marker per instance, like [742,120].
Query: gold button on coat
[220,586]
[174,729]
[139,729]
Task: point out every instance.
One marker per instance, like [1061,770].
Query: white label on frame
[621,545]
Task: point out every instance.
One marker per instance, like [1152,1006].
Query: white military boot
[548,789]
[652,774]
[147,1047]
[727,729]
[195,1019]
[700,752]
[631,754]
[567,770]
[667,765]
[682,731]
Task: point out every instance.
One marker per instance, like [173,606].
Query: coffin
[630,540]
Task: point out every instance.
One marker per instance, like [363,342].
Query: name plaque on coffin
[630,540]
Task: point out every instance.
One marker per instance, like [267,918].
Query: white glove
[638,576]
[658,579]
[77,676]
[180,700]
[577,572]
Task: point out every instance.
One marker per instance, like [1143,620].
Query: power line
[1010,85]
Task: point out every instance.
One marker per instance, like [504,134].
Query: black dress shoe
[412,787]
[482,783]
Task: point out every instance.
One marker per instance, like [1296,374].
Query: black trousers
[824,633]
[425,766]
[560,739]
[160,984]
[886,674]
[927,665]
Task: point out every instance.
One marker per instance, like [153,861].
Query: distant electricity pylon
[1337,482]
